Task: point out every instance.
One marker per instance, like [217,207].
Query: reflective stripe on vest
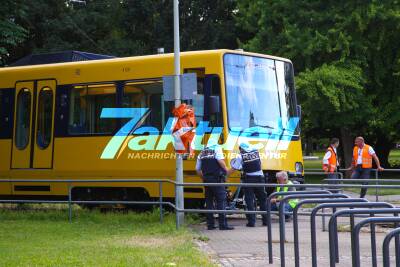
[292,202]
[366,157]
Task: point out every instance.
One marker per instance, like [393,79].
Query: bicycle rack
[275,194]
[282,217]
[356,235]
[385,247]
[336,205]
[333,234]
[313,201]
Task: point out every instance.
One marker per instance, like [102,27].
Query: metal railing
[276,194]
[385,247]
[70,201]
[316,195]
[345,199]
[356,235]
[313,224]
[342,179]
[333,234]
[282,217]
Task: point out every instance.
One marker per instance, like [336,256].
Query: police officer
[210,166]
[250,164]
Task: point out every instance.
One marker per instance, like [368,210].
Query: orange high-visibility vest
[186,119]
[332,161]
[366,157]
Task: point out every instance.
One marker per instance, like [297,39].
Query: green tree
[12,33]
[319,34]
[124,28]
[336,93]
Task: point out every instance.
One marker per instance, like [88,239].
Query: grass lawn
[394,158]
[44,237]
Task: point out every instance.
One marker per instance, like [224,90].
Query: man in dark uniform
[249,162]
[211,168]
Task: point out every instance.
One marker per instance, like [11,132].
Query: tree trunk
[347,145]
[308,146]
[382,149]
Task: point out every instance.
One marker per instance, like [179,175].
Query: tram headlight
[298,166]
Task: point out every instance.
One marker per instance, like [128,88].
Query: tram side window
[23,120]
[2,114]
[207,101]
[147,94]
[214,111]
[86,104]
[45,113]
[6,113]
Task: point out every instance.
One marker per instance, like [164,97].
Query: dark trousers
[361,173]
[333,179]
[253,193]
[215,194]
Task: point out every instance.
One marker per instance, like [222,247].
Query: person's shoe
[264,224]
[226,228]
[250,225]
[211,227]
[288,219]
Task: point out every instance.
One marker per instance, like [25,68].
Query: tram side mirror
[298,110]
[215,106]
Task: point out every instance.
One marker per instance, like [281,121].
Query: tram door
[33,125]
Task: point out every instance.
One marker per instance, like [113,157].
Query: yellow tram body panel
[37,151]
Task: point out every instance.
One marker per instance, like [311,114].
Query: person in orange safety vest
[330,162]
[362,162]
[184,129]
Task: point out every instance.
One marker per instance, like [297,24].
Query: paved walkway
[246,246]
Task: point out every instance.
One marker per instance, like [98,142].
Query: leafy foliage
[120,28]
[347,58]
[341,88]
[11,33]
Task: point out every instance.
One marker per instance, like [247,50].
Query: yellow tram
[51,125]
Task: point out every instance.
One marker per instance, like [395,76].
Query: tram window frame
[44,126]
[85,120]
[2,112]
[208,88]
[204,93]
[6,113]
[146,98]
[26,117]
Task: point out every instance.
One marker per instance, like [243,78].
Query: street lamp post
[177,89]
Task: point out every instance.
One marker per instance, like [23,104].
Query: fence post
[177,203]
[69,202]
[386,208]
[269,230]
[282,216]
[385,247]
[376,188]
[356,235]
[333,240]
[160,191]
[295,219]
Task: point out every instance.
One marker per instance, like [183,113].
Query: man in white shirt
[330,162]
[362,162]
